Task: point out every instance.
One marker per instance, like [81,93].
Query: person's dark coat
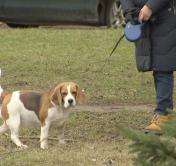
[162,33]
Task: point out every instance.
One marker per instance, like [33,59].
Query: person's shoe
[156,122]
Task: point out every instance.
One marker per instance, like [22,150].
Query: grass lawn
[40,58]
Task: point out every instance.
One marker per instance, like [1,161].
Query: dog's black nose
[70,101]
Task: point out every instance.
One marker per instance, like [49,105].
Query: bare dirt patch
[113,108]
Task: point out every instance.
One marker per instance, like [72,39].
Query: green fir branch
[153,150]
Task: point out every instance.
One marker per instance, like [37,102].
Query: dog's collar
[53,104]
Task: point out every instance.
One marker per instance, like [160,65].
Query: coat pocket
[143,51]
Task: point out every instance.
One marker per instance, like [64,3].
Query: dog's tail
[2,92]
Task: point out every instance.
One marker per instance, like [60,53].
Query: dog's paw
[44,146]
[22,146]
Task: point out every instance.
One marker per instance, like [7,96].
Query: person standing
[162,46]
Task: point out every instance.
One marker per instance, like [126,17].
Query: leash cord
[117,44]
[107,59]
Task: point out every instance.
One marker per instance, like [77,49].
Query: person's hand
[145,14]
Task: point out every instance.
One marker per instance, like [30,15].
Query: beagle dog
[27,108]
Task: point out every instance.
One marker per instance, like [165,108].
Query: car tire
[114,14]
[101,12]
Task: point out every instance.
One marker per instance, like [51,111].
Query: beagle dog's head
[68,94]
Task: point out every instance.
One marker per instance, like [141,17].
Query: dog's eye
[74,93]
[64,94]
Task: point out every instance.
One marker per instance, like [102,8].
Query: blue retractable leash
[132,32]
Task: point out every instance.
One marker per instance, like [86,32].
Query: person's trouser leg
[164,92]
[164,102]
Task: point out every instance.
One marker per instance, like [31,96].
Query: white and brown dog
[25,108]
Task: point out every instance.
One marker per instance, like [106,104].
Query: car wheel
[101,12]
[114,14]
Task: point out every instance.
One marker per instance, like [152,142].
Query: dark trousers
[164,83]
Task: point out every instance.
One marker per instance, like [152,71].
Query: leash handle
[116,45]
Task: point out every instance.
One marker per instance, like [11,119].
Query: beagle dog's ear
[56,96]
[81,97]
